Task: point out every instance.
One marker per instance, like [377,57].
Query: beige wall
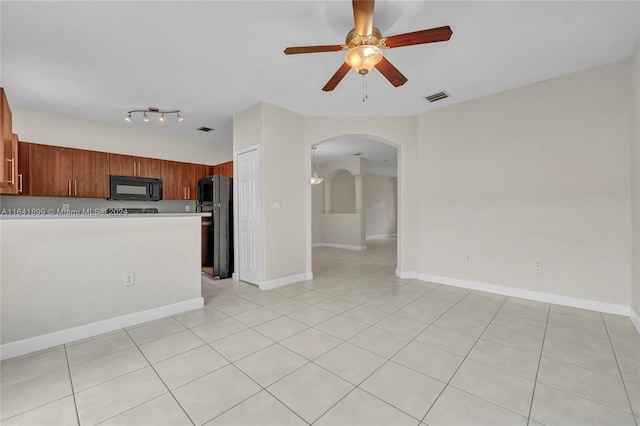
[63,130]
[635,180]
[539,172]
[343,193]
[380,204]
[317,208]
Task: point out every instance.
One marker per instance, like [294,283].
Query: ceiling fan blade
[391,73]
[312,49]
[431,35]
[363,16]
[337,78]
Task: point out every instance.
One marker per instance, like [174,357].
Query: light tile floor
[355,346]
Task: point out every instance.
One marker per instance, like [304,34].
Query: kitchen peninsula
[64,278]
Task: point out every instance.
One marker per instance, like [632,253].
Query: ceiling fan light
[362,58]
[315,180]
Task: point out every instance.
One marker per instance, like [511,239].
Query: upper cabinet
[66,172]
[126,165]
[8,150]
[224,169]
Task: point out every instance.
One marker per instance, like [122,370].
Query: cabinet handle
[20,183]
[188,192]
[75,187]
[139,172]
[134,168]
[184,189]
[69,187]
[12,181]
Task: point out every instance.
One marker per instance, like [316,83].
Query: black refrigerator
[215,195]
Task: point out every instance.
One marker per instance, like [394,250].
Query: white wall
[63,130]
[317,207]
[539,172]
[345,230]
[343,193]
[635,180]
[380,204]
[62,273]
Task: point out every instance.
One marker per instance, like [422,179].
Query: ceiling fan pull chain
[365,96]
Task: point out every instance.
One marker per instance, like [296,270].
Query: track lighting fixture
[145,117]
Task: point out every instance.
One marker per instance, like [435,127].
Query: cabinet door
[90,174]
[23,168]
[123,165]
[186,175]
[8,154]
[50,170]
[149,167]
[168,174]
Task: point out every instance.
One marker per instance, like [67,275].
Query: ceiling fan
[364,44]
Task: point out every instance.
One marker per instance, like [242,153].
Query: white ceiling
[380,158]
[212,59]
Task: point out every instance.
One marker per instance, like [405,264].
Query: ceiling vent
[205,129]
[437,96]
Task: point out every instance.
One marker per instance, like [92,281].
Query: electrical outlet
[129,279]
[276,256]
[537,264]
[187,209]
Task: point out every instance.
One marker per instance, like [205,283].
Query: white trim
[576,302]
[234,276]
[32,344]
[268,285]
[635,318]
[340,246]
[381,236]
[406,274]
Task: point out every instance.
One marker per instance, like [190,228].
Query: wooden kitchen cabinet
[23,168]
[66,172]
[180,180]
[127,165]
[8,150]
[224,169]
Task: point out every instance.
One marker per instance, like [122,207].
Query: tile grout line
[73,392]
[535,381]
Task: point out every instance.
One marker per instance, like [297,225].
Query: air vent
[437,96]
[205,129]
[357,154]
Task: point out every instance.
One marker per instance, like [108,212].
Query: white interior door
[249,217]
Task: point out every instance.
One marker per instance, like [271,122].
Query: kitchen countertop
[29,214]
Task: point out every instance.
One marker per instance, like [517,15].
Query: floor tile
[271,364]
[199,317]
[378,341]
[365,315]
[350,362]
[576,312]
[34,393]
[311,315]
[310,391]
[455,408]
[585,383]
[520,324]
[507,336]
[155,330]
[431,303]
[236,307]
[633,390]
[261,409]
[524,312]
[161,411]
[497,386]
[32,367]
[100,370]
[109,399]
[404,388]
[591,341]
[166,347]
[627,347]
[335,305]
[341,327]
[593,326]
[361,408]
[527,303]
[311,297]
[218,329]
[188,366]
[101,346]
[256,316]
[429,360]
[461,324]
[211,395]
[553,407]
[402,326]
[506,358]
[421,313]
[630,368]
[448,340]
[577,354]
[470,311]
[280,328]
[241,344]
[59,412]
[286,306]
[311,343]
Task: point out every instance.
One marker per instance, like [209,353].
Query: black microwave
[135,188]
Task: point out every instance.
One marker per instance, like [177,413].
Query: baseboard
[558,299]
[381,236]
[234,276]
[340,246]
[406,274]
[268,285]
[32,344]
[635,318]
